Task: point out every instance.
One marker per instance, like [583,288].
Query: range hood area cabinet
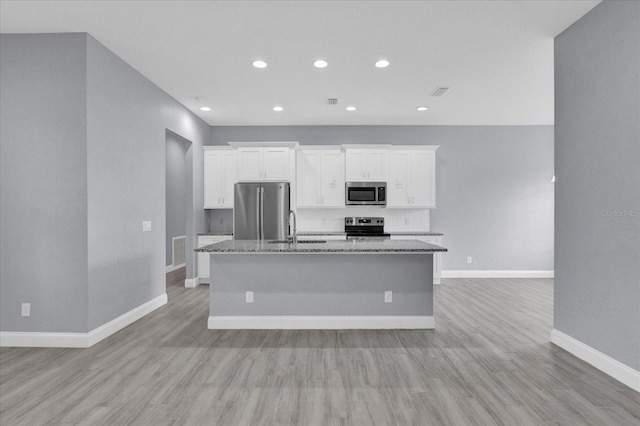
[412,177]
[366,163]
[219,177]
[320,177]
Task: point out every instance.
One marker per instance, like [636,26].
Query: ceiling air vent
[332,101]
[440,91]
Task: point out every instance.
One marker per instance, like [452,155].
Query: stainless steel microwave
[366,193]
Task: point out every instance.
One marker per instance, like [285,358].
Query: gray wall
[597,238]
[177,181]
[43,182]
[83,164]
[494,198]
[127,120]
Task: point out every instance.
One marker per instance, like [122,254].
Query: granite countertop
[331,246]
[340,233]
[416,233]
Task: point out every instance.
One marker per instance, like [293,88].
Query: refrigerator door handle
[261,213]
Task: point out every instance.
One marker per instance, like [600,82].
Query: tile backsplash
[312,220]
[396,220]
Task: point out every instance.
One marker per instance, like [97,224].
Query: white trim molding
[602,362]
[496,274]
[171,268]
[80,340]
[270,144]
[320,322]
[192,282]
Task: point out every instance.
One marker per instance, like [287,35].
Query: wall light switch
[469,259]
[26,309]
[249,297]
[146,225]
[388,296]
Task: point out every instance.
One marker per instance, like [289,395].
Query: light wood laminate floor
[488,362]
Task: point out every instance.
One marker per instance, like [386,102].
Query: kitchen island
[321,285]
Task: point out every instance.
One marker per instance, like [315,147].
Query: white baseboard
[192,282]
[171,268]
[497,274]
[320,322]
[80,340]
[602,362]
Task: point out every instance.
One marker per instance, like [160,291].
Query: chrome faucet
[292,237]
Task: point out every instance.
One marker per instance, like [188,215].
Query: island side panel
[323,284]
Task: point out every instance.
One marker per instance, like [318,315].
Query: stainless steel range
[365,228]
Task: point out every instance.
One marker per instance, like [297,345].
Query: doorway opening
[177,200]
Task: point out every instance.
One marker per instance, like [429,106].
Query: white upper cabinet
[412,177]
[263,164]
[366,164]
[219,177]
[320,178]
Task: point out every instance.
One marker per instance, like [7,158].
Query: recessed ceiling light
[422,108]
[320,63]
[205,108]
[259,64]
[277,108]
[382,63]
[351,108]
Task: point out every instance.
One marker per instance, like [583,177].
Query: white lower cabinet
[203,258]
[437,257]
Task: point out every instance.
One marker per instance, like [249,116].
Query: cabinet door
[275,164]
[203,258]
[219,177]
[355,165]
[332,179]
[226,190]
[307,178]
[249,164]
[376,165]
[212,178]
[422,179]
[397,181]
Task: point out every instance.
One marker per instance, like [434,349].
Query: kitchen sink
[299,241]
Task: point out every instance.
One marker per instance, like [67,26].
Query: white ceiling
[497,56]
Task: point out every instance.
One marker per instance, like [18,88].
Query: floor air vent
[179,250]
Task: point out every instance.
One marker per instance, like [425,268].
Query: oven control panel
[364,221]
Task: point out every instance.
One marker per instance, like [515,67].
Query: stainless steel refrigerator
[261,211]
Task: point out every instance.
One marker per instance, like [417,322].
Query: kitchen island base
[321,291]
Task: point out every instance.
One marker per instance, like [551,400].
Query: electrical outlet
[146,225]
[249,297]
[469,259]
[388,296]
[26,309]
